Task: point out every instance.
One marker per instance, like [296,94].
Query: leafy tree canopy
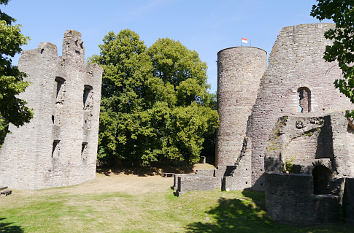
[342,50]
[12,108]
[155,106]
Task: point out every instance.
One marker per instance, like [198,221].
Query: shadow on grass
[143,171]
[234,215]
[248,215]
[6,227]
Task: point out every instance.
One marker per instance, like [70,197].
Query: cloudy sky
[206,26]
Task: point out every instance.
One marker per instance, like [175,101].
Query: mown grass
[211,211]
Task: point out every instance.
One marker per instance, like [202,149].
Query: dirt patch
[124,182]
[203,166]
[131,184]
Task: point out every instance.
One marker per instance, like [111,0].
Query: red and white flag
[244,40]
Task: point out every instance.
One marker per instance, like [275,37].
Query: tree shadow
[143,171]
[246,215]
[6,227]
[234,215]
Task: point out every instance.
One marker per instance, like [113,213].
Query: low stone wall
[195,182]
[224,178]
[289,199]
[175,179]
[201,180]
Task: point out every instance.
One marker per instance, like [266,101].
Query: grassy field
[139,204]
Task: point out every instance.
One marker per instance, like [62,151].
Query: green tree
[191,119]
[124,123]
[155,105]
[342,49]
[210,135]
[12,108]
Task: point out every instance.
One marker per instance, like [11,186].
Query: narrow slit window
[60,92]
[87,97]
[84,150]
[56,149]
[304,96]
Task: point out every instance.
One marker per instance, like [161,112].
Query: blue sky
[205,26]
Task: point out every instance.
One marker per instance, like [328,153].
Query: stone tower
[240,70]
[58,147]
[297,85]
[298,82]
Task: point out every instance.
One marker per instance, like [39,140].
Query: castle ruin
[298,82]
[58,147]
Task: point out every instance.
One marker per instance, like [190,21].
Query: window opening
[56,149]
[87,97]
[84,150]
[304,96]
[60,90]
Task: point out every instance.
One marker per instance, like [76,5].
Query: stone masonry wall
[348,202]
[290,199]
[296,61]
[239,73]
[310,141]
[304,142]
[343,145]
[58,147]
[240,177]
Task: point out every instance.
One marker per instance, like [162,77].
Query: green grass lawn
[61,210]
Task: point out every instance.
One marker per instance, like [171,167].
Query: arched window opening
[321,178]
[304,95]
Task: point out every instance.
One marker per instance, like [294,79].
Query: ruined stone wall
[58,147]
[290,199]
[239,73]
[343,145]
[240,177]
[303,142]
[296,61]
[196,182]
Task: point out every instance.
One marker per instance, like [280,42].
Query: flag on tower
[244,40]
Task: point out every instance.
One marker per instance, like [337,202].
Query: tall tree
[191,118]
[12,108]
[155,105]
[124,125]
[342,49]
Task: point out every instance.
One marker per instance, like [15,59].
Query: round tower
[240,70]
